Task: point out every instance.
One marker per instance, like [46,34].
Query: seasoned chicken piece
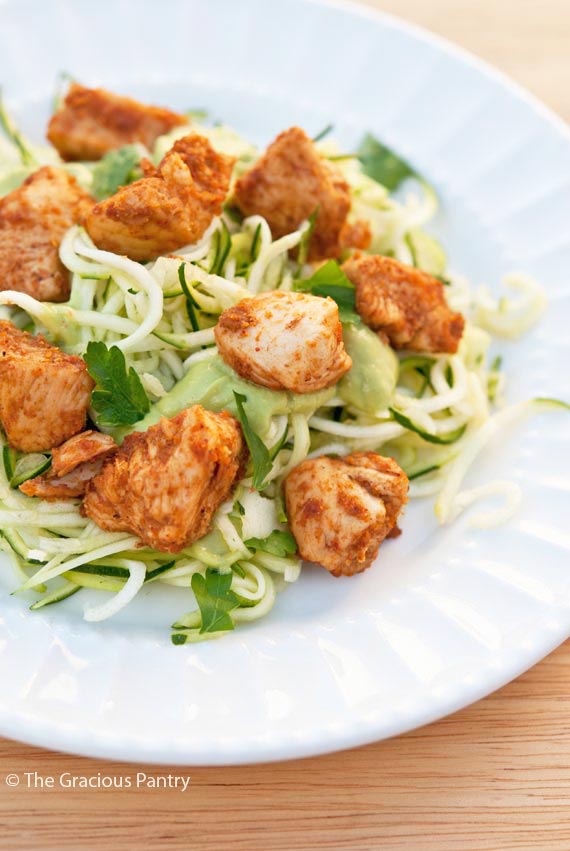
[73,464]
[44,393]
[94,121]
[170,207]
[341,509]
[165,484]
[288,183]
[356,235]
[33,220]
[405,304]
[285,341]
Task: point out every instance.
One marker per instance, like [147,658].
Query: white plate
[449,614]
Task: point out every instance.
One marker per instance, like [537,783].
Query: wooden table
[495,776]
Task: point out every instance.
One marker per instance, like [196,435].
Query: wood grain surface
[493,777]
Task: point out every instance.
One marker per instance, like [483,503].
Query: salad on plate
[218,362]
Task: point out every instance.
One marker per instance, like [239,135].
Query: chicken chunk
[168,208]
[288,183]
[285,341]
[94,121]
[165,484]
[33,220]
[44,393]
[341,509]
[73,464]
[404,303]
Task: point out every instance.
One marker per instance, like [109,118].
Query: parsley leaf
[215,600]
[115,169]
[331,281]
[119,397]
[259,452]
[383,165]
[277,543]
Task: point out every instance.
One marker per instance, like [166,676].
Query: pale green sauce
[370,383]
[211,383]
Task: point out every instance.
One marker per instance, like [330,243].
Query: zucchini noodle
[162,315]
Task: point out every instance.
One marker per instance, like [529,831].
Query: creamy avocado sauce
[369,385]
[211,383]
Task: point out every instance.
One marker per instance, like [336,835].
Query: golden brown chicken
[285,341]
[168,208]
[94,121]
[165,484]
[44,393]
[341,509]
[73,464]
[33,220]
[288,183]
[404,303]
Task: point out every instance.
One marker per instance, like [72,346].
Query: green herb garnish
[331,281]
[384,166]
[278,543]
[259,452]
[119,397]
[215,600]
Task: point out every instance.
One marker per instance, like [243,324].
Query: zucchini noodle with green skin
[432,413]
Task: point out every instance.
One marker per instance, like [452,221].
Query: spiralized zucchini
[437,421]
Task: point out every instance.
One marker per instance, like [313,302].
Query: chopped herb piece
[215,600]
[119,397]
[278,543]
[280,444]
[384,166]
[115,169]
[331,281]
[259,452]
